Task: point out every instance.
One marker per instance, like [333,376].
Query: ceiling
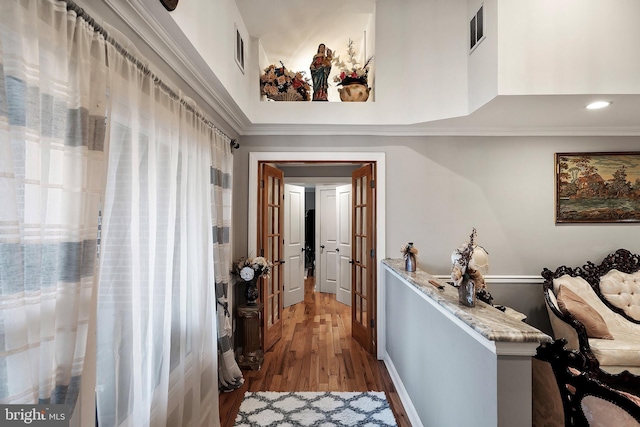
[291,30]
[546,115]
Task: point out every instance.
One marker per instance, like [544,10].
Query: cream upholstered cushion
[580,287]
[570,302]
[602,413]
[623,291]
[624,350]
[614,355]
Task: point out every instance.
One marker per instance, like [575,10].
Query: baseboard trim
[402,392]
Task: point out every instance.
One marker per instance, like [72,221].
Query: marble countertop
[488,321]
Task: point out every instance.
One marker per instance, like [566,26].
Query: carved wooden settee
[596,308]
[566,394]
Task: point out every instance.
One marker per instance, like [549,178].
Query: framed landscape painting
[597,187]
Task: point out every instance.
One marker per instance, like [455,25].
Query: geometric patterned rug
[317,409]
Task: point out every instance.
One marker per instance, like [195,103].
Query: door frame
[316,157]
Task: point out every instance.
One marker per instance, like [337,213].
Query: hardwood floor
[316,353]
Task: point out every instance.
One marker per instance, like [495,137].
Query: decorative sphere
[247,274]
[480,260]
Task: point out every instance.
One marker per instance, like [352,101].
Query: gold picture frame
[597,187]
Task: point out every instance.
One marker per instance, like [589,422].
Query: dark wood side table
[252,355]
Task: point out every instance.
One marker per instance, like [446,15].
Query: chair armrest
[571,329]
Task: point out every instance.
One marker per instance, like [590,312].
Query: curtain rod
[145,69]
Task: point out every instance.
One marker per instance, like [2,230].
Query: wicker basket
[287,96]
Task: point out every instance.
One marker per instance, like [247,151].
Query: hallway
[316,353]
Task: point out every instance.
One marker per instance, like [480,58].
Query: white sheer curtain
[229,374]
[157,352]
[52,113]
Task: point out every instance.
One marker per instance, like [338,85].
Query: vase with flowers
[280,84]
[353,77]
[250,270]
[467,270]
[410,254]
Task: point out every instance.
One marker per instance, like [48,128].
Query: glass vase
[251,293]
[467,292]
[410,262]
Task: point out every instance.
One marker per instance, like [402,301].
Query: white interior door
[328,238]
[344,214]
[293,244]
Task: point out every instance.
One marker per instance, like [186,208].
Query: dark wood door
[363,307]
[271,246]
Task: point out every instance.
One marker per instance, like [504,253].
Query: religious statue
[320,69]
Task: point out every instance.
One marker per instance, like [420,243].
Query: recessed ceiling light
[598,104]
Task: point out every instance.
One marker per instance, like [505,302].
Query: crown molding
[428,130]
[145,24]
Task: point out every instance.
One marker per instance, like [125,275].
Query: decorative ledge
[488,321]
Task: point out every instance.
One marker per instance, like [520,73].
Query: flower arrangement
[463,264]
[408,249]
[351,71]
[251,269]
[280,84]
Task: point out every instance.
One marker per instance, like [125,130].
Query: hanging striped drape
[52,164]
[229,374]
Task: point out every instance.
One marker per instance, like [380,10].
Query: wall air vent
[476,29]
[239,49]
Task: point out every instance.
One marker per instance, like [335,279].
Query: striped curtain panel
[229,374]
[52,163]
[156,324]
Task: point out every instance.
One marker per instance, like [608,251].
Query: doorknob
[303,249]
[321,246]
[337,249]
[351,262]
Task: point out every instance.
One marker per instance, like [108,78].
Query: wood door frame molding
[256,157]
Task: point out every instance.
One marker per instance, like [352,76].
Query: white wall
[439,188]
[421,60]
[568,47]
[209,25]
[450,377]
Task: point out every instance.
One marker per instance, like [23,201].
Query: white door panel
[327,243]
[344,213]
[293,244]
